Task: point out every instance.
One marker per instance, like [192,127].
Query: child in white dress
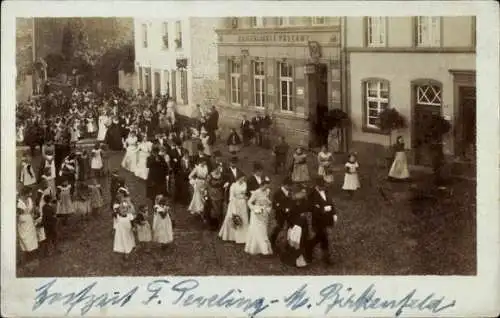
[142,225]
[124,241]
[96,162]
[351,179]
[162,224]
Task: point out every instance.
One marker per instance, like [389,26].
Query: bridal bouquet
[237,221]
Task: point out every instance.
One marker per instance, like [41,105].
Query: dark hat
[234,159]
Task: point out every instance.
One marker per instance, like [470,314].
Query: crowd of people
[182,166]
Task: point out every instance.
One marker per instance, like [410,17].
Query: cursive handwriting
[85,298]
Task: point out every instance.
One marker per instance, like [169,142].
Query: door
[157,84]
[147,80]
[467,100]
[317,87]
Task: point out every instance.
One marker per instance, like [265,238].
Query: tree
[389,120]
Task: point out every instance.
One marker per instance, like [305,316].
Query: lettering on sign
[274,37]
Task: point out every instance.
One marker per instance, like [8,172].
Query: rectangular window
[318,20]
[428,31]
[164,37]
[184,87]
[286,84]
[376,31]
[376,100]
[258,83]
[145,35]
[178,33]
[284,21]
[235,79]
[256,22]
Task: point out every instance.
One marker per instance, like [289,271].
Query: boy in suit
[282,200]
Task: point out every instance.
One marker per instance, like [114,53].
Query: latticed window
[428,31]
[258,83]
[429,95]
[376,31]
[256,22]
[286,84]
[284,21]
[376,100]
[235,79]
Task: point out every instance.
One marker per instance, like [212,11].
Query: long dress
[237,206]
[198,177]
[300,172]
[124,241]
[65,204]
[103,127]
[26,232]
[129,161]
[257,241]
[142,158]
[324,162]
[162,225]
[27,207]
[207,149]
[96,199]
[351,179]
[96,161]
[399,167]
[28,177]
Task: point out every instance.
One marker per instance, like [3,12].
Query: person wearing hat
[181,180]
[282,200]
[255,180]
[234,142]
[324,216]
[156,182]
[231,174]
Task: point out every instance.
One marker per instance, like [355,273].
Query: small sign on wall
[300,91]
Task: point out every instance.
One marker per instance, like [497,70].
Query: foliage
[390,119]
[435,128]
[336,118]
[56,64]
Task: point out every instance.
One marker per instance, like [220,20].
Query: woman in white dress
[26,231]
[235,225]
[27,176]
[96,162]
[25,203]
[103,126]
[198,179]
[129,161]
[124,241]
[257,241]
[20,134]
[145,147]
[325,159]
[171,110]
[351,179]
[205,142]
[399,168]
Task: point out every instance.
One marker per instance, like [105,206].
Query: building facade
[288,67]
[417,65]
[178,57]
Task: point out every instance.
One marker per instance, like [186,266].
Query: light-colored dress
[257,241]
[198,179]
[28,177]
[399,168]
[351,180]
[65,204]
[207,149]
[162,227]
[20,134]
[129,162]
[300,172]
[96,161]
[237,206]
[103,127]
[96,200]
[142,158]
[324,162]
[51,179]
[144,231]
[124,241]
[90,125]
[26,230]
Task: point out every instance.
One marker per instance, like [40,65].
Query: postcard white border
[475,296]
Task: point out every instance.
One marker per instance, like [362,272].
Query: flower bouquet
[237,221]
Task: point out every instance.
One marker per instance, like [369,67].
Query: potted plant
[334,122]
[389,120]
[436,127]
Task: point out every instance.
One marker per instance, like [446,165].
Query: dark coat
[252,184]
[320,218]
[156,182]
[282,205]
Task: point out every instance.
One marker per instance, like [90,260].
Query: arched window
[375,100]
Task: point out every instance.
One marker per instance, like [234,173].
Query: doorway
[157,80]
[317,87]
[467,137]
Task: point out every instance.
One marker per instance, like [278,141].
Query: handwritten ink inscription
[187,293]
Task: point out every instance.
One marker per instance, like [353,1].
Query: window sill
[372,130]
[289,115]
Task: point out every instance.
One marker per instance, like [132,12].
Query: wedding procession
[130,168]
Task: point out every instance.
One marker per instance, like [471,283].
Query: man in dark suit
[254,181]
[282,200]
[323,217]
[182,188]
[231,174]
[212,124]
[246,131]
[49,223]
[280,155]
[257,128]
[175,153]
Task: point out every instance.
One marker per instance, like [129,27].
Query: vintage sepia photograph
[245,145]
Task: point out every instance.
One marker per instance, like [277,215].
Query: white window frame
[283,21]
[318,20]
[379,99]
[165,46]
[144,33]
[424,99]
[259,81]
[376,28]
[256,22]
[235,78]
[288,79]
[178,34]
[428,32]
